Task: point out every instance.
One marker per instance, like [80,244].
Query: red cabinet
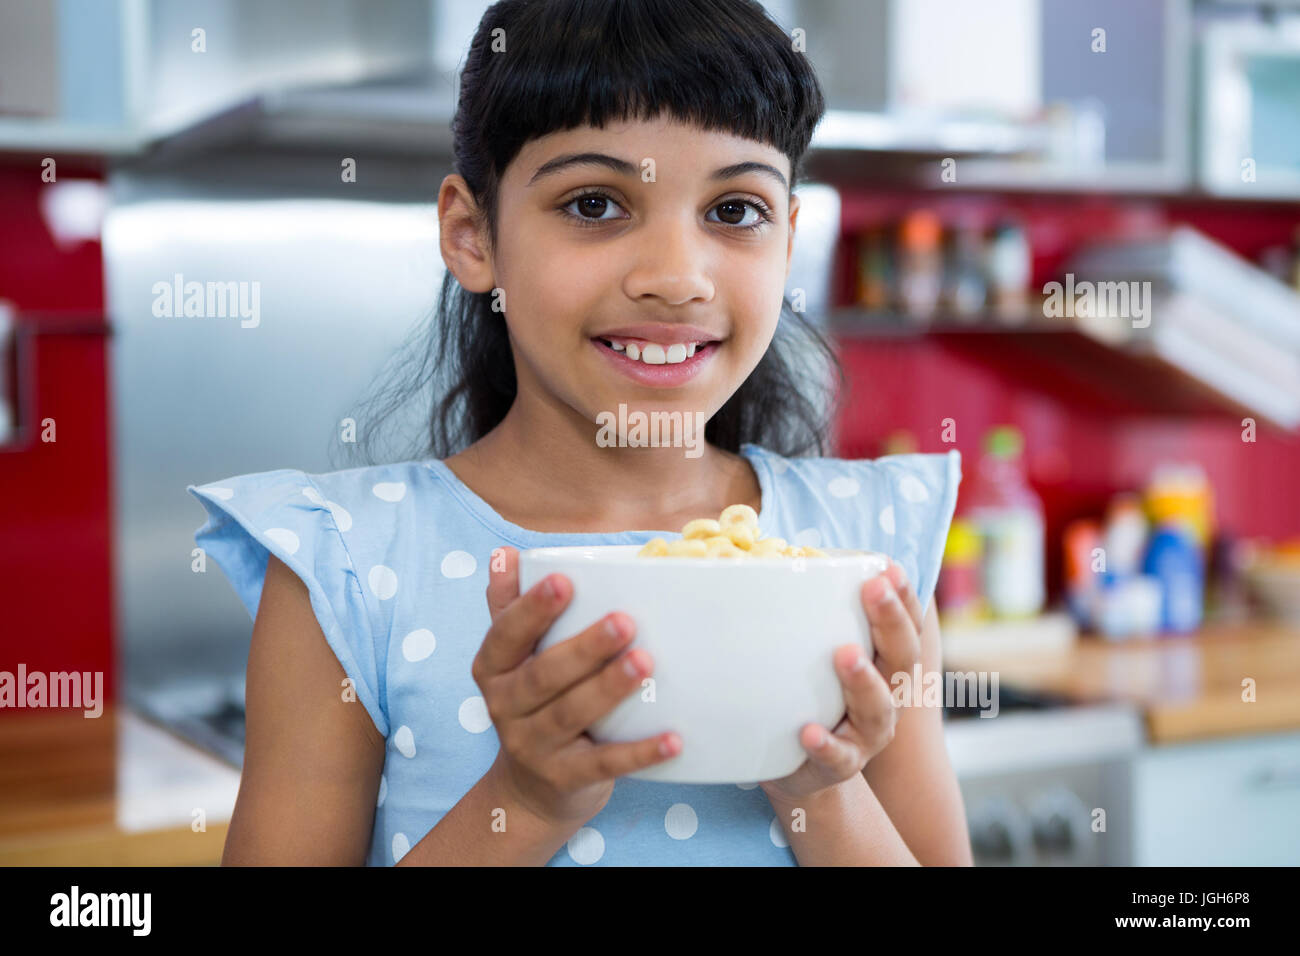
[56,501]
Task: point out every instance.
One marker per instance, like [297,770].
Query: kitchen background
[1126,553]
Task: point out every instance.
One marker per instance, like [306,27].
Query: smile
[653,353]
[651,363]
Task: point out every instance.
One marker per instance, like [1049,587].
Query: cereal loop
[733,534]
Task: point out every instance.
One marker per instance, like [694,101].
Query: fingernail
[631,667]
[548,589]
[612,631]
[859,663]
[667,745]
[820,739]
[878,589]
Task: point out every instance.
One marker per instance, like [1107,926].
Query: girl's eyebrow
[623,167]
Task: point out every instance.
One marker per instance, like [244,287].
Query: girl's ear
[461,238]
[789,247]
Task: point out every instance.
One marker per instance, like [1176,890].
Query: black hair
[720,65]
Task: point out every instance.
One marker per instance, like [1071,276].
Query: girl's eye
[736,209]
[592,206]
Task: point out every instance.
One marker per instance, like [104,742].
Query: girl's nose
[670,264]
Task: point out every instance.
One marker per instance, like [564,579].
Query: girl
[618,232]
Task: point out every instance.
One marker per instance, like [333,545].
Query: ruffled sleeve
[913,498]
[284,513]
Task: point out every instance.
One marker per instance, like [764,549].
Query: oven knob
[1059,819]
[999,832]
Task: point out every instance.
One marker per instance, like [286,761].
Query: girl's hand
[896,618]
[541,704]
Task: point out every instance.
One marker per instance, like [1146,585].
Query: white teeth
[652,353]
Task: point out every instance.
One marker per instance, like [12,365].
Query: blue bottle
[1173,557]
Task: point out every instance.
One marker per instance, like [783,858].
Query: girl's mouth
[650,363]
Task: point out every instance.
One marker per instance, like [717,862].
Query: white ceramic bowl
[742,649]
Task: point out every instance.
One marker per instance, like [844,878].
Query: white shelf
[903,133]
[46,137]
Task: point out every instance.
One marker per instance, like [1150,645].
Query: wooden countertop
[1189,687]
[117,791]
[107,791]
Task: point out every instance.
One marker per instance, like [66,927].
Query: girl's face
[652,236]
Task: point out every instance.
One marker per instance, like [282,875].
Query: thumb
[503,579]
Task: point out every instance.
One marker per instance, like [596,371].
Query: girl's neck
[557,478]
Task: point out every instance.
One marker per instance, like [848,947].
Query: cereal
[721,547]
[768,547]
[701,528]
[733,534]
[741,535]
[656,547]
[742,514]
[685,548]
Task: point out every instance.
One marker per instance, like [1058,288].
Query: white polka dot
[681,822]
[776,833]
[779,465]
[401,846]
[887,520]
[747,786]
[843,486]
[383,790]
[389,490]
[809,538]
[284,538]
[586,846]
[341,516]
[418,645]
[225,494]
[312,495]
[912,489]
[382,581]
[458,564]
[404,741]
[473,715]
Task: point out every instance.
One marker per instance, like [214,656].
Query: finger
[905,593]
[872,712]
[542,677]
[838,758]
[568,715]
[580,766]
[519,627]
[503,584]
[895,637]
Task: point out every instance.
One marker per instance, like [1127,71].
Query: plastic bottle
[875,271]
[920,265]
[959,596]
[1125,534]
[1008,264]
[1080,539]
[1009,516]
[1180,493]
[1175,559]
[964,291]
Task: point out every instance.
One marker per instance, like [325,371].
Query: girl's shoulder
[901,505]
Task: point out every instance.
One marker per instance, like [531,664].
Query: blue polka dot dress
[395,559]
